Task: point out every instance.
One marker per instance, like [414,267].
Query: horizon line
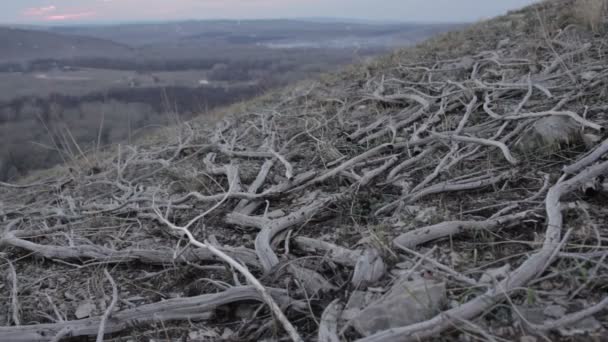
[346,20]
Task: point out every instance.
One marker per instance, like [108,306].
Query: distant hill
[229,31]
[23,45]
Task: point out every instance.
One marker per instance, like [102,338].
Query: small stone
[84,310]
[550,134]
[589,75]
[70,296]
[426,215]
[227,333]
[202,334]
[555,311]
[532,315]
[583,327]
[503,43]
[356,302]
[313,282]
[244,311]
[546,285]
[591,140]
[456,258]
[495,274]
[407,302]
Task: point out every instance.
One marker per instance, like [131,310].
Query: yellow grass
[592,13]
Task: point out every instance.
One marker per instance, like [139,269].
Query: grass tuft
[592,13]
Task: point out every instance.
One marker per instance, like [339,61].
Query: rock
[456,258]
[369,268]
[555,311]
[245,311]
[528,338]
[494,275]
[426,215]
[227,333]
[533,315]
[537,315]
[589,75]
[313,282]
[549,134]
[84,310]
[583,327]
[503,43]
[357,301]
[407,302]
[591,140]
[203,334]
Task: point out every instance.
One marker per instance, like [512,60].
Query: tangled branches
[429,169]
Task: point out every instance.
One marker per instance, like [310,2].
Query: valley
[78,81]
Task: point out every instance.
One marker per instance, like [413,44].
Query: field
[62,81]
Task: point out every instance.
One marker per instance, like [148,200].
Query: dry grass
[592,13]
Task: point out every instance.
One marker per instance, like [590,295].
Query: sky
[92,11]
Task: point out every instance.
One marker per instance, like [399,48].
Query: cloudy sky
[66,11]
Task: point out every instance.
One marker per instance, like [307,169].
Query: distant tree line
[33,129]
[141,65]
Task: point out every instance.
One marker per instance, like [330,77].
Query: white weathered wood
[328,327]
[532,267]
[422,235]
[335,253]
[167,310]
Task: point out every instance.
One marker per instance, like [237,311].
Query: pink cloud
[69,16]
[39,11]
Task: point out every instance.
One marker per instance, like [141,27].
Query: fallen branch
[167,310]
[447,186]
[96,253]
[571,318]
[487,142]
[532,267]
[108,312]
[328,329]
[276,310]
[422,235]
[265,253]
[588,159]
[335,253]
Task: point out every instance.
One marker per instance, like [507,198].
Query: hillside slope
[19,45]
[451,191]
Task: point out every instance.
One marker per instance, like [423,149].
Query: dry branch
[487,142]
[264,293]
[422,235]
[328,329]
[533,266]
[335,253]
[587,160]
[95,253]
[167,310]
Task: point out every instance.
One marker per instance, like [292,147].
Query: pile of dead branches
[476,172]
